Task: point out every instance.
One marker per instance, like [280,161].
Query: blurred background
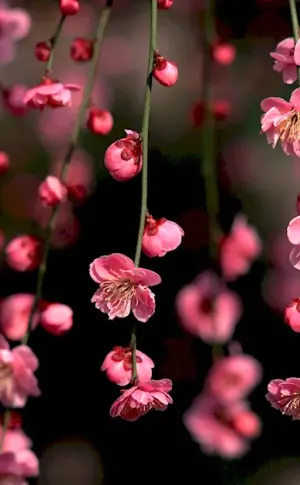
[79,444]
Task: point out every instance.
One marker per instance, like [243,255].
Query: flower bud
[164,4]
[82,49]
[99,121]
[43,51]
[123,159]
[24,253]
[164,71]
[52,192]
[69,7]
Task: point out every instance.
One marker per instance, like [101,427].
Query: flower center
[117,290]
[5,374]
[289,128]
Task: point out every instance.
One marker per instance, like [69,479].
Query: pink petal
[27,356]
[73,87]
[3,343]
[21,23]
[107,268]
[289,74]
[285,46]
[274,102]
[145,277]
[143,304]
[297,54]
[293,231]
[44,90]
[295,99]
[295,257]
[278,57]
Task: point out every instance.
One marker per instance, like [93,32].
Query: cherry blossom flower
[15,24]
[57,318]
[281,122]
[123,287]
[15,466]
[284,395]
[164,71]
[17,381]
[100,121]
[14,315]
[223,53]
[233,378]
[12,99]
[52,192]
[118,366]
[49,93]
[139,400]
[24,253]
[123,159]
[292,315]
[208,309]
[239,249]
[160,236]
[285,61]
[222,430]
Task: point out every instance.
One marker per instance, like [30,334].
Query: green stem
[53,42]
[295,23]
[145,141]
[4,427]
[104,17]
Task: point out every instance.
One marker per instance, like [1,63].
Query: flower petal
[274,102]
[293,231]
[107,268]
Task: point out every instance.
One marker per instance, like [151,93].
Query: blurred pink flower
[82,49]
[15,440]
[239,249]
[17,379]
[15,24]
[293,235]
[57,318]
[139,400]
[4,162]
[292,315]
[285,61]
[280,287]
[66,228]
[164,4]
[222,430]
[52,192]
[49,93]
[233,378]
[24,253]
[123,287]
[208,309]
[123,158]
[15,466]
[280,122]
[118,366]
[14,315]
[285,396]
[160,236]
[223,53]
[12,99]
[100,121]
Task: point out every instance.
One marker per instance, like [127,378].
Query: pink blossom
[15,24]
[239,249]
[17,381]
[118,366]
[14,315]
[281,122]
[139,400]
[284,60]
[15,466]
[15,440]
[292,315]
[123,287]
[164,71]
[223,53]
[208,309]
[293,235]
[100,121]
[57,318]
[123,159]
[233,378]
[49,93]
[4,162]
[24,253]
[220,430]
[160,236]
[69,7]
[285,396]
[52,191]
[164,4]
[82,49]
[12,99]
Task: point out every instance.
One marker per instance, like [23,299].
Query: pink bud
[118,366]
[247,424]
[57,318]
[221,109]
[15,312]
[165,72]
[13,99]
[123,159]
[52,192]
[82,49]
[69,7]
[164,4]
[100,121]
[292,315]
[4,162]
[24,253]
[160,236]
[223,53]
[43,51]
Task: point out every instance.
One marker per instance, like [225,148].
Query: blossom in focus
[223,53]
[281,122]
[15,24]
[57,318]
[284,395]
[139,400]
[118,366]
[4,162]
[285,61]
[123,158]
[232,378]
[160,236]
[293,235]
[49,93]
[221,430]
[164,71]
[17,381]
[69,7]
[123,287]
[14,315]
[82,49]
[292,314]
[208,309]
[12,99]
[100,121]
[24,253]
[239,249]
[52,192]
